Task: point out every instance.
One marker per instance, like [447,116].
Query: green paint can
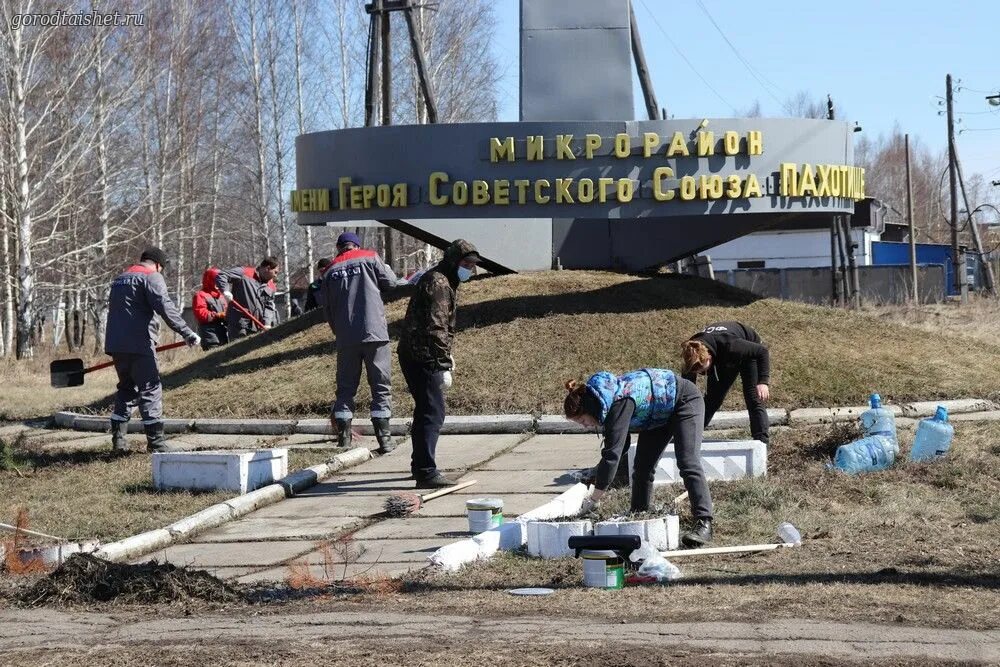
[484,513]
[603,569]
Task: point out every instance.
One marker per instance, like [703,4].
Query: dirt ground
[374,635]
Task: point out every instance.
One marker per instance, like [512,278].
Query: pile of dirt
[85,578]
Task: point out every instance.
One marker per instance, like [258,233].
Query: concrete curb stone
[516,423]
[245,426]
[234,508]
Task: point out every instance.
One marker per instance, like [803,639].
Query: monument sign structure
[577,181]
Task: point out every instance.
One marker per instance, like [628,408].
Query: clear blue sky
[883,61]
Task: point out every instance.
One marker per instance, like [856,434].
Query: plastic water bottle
[876,452]
[934,436]
[878,420]
[789,534]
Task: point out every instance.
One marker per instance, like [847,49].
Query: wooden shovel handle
[162,348]
[445,492]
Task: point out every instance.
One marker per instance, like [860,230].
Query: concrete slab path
[337,528]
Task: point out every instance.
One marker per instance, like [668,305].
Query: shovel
[70,372]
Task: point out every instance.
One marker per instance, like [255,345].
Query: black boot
[119,445]
[343,429]
[699,536]
[437,481]
[384,436]
[155,441]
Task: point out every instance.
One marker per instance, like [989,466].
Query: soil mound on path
[86,579]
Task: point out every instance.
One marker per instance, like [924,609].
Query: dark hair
[268,263]
[154,255]
[573,405]
[323,263]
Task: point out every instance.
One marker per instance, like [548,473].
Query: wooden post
[372,79]
[909,221]
[640,66]
[960,278]
[834,291]
[987,268]
[418,54]
[386,64]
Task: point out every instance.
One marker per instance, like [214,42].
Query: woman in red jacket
[210,311]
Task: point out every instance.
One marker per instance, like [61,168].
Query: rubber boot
[344,435]
[700,535]
[384,436]
[155,441]
[119,445]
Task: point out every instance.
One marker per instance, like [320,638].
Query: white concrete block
[726,460]
[549,539]
[655,532]
[232,471]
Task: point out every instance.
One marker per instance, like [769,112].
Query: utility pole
[956,257]
[909,221]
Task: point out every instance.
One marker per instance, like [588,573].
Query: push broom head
[401,504]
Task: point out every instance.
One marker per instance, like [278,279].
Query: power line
[760,78]
[685,59]
[978,129]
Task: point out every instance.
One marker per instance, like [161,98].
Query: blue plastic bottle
[934,436]
[878,420]
[876,452]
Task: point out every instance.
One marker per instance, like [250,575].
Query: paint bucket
[484,513]
[603,569]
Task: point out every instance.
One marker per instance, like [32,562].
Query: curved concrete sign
[617,170]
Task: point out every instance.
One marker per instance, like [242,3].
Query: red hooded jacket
[209,305]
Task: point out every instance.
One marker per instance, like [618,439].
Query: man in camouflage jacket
[425,358]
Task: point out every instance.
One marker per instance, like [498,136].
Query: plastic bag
[660,568]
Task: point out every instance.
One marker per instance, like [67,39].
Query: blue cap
[348,237]
[876,401]
[942,414]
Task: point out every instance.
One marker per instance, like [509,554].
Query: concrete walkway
[289,537]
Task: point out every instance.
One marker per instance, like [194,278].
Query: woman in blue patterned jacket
[659,405]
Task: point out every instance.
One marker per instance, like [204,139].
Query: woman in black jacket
[723,351]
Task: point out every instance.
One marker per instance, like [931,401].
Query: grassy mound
[520,337]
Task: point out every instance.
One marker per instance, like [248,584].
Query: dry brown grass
[978,320]
[93,495]
[521,336]
[919,541]
[28,394]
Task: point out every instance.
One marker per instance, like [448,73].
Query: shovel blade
[66,372]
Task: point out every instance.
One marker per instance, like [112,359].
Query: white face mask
[464,273]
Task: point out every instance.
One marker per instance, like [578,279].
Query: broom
[401,504]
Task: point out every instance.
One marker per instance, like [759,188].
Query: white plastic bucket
[484,513]
[603,569]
